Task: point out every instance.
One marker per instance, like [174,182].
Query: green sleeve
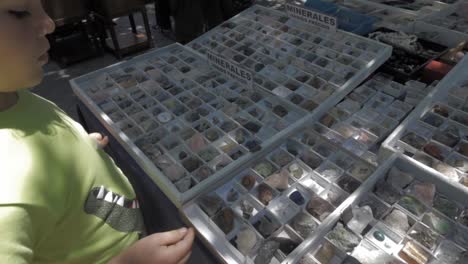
[16,229]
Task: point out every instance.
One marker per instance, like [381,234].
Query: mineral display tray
[420,7]
[440,35]
[416,218]
[448,20]
[183,122]
[365,117]
[281,197]
[435,133]
[308,66]
[389,16]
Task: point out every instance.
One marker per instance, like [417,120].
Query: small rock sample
[184,184]
[348,184]
[437,223]
[311,159]
[463,148]
[278,181]
[246,208]
[203,173]
[434,151]
[441,110]
[326,253]
[304,224]
[447,207]
[225,220]
[248,181]
[361,171]
[210,204]
[163,161]
[266,226]
[295,170]
[280,111]
[387,192]
[319,208]
[174,172]
[464,218]
[266,252]
[253,127]
[414,140]
[412,204]
[164,117]
[342,238]
[191,164]
[264,168]
[412,253]
[253,145]
[246,240]
[424,236]
[286,245]
[265,193]
[232,195]
[297,198]
[397,220]
[197,142]
[424,192]
[398,178]
[281,158]
[362,216]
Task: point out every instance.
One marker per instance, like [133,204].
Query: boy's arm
[16,235]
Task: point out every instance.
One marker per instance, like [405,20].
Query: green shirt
[62,200]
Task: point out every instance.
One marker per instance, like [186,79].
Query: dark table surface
[158,211]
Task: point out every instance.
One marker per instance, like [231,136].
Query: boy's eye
[19,14]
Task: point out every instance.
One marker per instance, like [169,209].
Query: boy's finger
[185,259]
[171,237]
[181,249]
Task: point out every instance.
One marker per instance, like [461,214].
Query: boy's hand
[100,140]
[173,247]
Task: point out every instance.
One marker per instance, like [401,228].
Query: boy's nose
[46,25]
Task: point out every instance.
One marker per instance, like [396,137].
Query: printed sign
[312,17]
[230,68]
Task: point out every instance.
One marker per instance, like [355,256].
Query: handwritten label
[312,17]
[231,69]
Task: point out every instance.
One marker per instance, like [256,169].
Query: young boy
[62,199]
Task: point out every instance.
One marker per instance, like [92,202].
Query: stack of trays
[406,215]
[188,125]
[365,117]
[266,211]
[436,133]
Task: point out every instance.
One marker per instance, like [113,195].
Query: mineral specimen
[362,216]
[304,224]
[265,193]
[278,181]
[266,251]
[397,220]
[342,238]
[246,240]
[225,220]
[319,208]
[210,204]
[248,181]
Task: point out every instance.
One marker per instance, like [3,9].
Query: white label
[231,69]
[312,17]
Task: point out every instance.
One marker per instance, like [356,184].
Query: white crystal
[362,216]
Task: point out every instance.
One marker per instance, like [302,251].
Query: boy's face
[23,43]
